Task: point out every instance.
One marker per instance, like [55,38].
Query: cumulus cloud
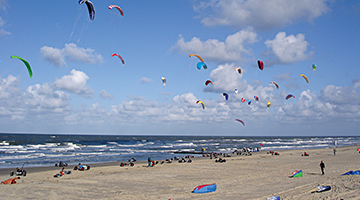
[145,80]
[105,95]
[71,52]
[261,14]
[232,49]
[288,49]
[76,83]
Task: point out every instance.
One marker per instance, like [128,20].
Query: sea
[37,150]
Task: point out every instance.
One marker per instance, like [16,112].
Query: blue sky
[77,87]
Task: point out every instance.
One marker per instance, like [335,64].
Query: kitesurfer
[322,167]
[334,151]
[149,162]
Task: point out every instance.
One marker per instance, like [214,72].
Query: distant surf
[35,150]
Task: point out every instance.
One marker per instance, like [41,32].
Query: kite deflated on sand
[205,188]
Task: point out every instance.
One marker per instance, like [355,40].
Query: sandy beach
[241,177]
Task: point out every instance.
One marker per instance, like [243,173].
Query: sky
[79,88]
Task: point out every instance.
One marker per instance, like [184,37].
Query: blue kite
[352,173]
[205,188]
[201,65]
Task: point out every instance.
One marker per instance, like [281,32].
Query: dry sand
[241,177]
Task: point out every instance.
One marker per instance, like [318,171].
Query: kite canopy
[202,103]
[242,100]
[256,98]
[122,60]
[306,78]
[208,82]
[268,104]
[205,188]
[90,7]
[297,174]
[289,96]
[241,121]
[226,96]
[273,82]
[352,173]
[200,65]
[163,80]
[260,64]
[237,69]
[273,198]
[118,8]
[197,57]
[323,188]
[26,63]
[314,67]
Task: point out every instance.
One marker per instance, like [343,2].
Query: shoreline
[258,176]
[117,163]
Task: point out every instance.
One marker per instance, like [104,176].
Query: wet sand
[241,177]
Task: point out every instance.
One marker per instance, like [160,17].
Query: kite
[122,60]
[268,104]
[256,98]
[26,63]
[237,69]
[289,96]
[197,57]
[200,65]
[249,102]
[306,79]
[297,173]
[260,64]
[205,188]
[117,7]
[314,67]
[208,81]
[242,100]
[90,7]
[163,80]
[226,96]
[202,103]
[273,82]
[236,91]
[241,121]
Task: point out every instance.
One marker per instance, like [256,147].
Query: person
[322,167]
[149,162]
[334,151]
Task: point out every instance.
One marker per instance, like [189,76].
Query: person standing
[322,167]
[334,151]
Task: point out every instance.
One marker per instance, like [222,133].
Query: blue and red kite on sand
[205,188]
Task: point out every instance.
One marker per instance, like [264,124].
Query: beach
[258,176]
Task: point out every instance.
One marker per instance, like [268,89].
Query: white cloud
[2,31]
[71,52]
[261,14]
[232,49]
[288,49]
[76,83]
[145,80]
[104,94]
